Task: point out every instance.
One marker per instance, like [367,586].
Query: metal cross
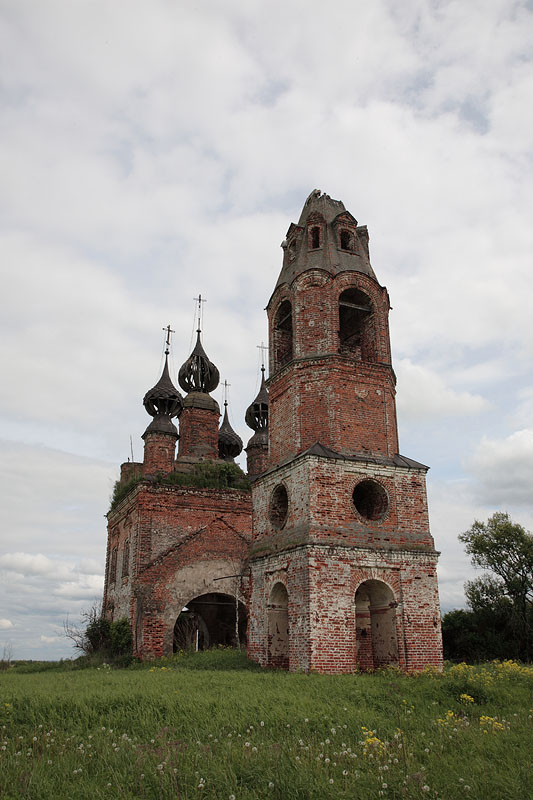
[199,300]
[226,386]
[264,349]
[168,330]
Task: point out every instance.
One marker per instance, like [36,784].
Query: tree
[98,635]
[505,595]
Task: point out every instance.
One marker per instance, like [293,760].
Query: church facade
[328,563]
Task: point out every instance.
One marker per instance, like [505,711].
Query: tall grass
[212,725]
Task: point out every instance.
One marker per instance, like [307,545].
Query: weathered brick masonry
[331,557]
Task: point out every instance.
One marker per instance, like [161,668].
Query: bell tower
[343,562]
[331,377]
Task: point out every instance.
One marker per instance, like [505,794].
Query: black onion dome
[257,412]
[229,442]
[198,374]
[164,399]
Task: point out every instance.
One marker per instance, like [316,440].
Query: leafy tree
[502,600]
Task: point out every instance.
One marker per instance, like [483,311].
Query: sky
[154,150]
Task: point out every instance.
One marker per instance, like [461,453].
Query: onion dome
[257,413]
[163,402]
[198,374]
[229,443]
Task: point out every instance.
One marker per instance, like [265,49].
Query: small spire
[257,412]
[229,442]
[163,401]
[163,398]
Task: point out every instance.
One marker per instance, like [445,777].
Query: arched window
[314,237]
[356,329]
[278,627]
[279,506]
[126,559]
[347,240]
[113,565]
[283,335]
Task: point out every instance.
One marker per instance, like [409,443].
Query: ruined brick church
[321,558]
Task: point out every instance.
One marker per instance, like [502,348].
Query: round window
[370,499]
[279,506]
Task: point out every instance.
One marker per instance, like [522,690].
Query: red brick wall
[346,403]
[322,583]
[321,507]
[256,459]
[181,539]
[198,433]
[159,453]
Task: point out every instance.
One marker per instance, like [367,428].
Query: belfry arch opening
[356,325]
[375,625]
[346,240]
[210,620]
[278,627]
[314,237]
[283,334]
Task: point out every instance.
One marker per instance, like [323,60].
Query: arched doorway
[278,627]
[210,620]
[375,625]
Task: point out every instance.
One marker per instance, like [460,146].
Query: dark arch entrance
[208,621]
[375,625]
[278,627]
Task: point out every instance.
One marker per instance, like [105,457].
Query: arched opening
[347,240]
[375,625]
[314,242]
[283,334]
[210,620]
[278,627]
[356,329]
[279,506]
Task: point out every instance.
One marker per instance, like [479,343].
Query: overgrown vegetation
[205,474]
[205,726]
[499,621]
[98,636]
[211,474]
[122,490]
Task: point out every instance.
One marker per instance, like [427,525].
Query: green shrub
[98,634]
[120,490]
[210,475]
[120,638]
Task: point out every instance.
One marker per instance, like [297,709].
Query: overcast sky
[152,150]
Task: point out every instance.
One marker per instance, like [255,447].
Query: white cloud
[92,586]
[29,564]
[522,415]
[423,393]
[5,624]
[504,469]
[50,639]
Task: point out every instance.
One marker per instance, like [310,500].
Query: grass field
[212,725]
